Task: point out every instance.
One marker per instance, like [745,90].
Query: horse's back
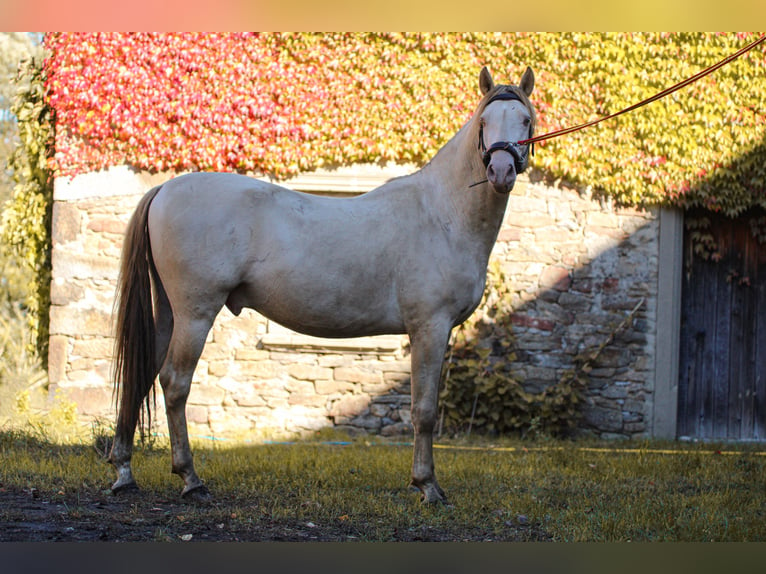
[325,266]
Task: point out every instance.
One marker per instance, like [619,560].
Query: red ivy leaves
[266,103]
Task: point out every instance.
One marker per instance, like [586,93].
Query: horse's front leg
[428,346]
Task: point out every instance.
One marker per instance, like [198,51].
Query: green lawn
[499,490]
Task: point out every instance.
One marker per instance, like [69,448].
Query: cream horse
[409,257]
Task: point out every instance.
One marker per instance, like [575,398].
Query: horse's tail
[135,349]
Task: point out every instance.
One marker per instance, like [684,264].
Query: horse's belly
[321,311]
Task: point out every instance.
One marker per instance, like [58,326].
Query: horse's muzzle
[501,172]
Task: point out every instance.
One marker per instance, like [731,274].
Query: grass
[20,371]
[507,490]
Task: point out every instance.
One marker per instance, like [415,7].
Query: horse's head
[506,118]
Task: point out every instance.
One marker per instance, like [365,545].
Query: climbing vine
[284,103]
[27,217]
[479,389]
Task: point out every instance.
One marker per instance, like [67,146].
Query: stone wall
[578,267]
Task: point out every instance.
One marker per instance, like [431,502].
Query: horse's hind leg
[122,450]
[185,348]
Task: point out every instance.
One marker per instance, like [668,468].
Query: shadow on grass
[357,490]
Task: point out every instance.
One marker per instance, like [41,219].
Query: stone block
[370,422]
[91,400]
[332,387]
[248,354]
[603,419]
[79,322]
[65,292]
[300,388]
[379,410]
[95,348]
[259,369]
[376,388]
[309,419]
[57,357]
[555,236]
[555,277]
[307,400]
[248,398]
[524,320]
[509,234]
[350,406]
[358,375]
[332,361]
[218,368]
[526,220]
[601,219]
[614,357]
[309,372]
[206,395]
[635,405]
[67,221]
[634,428]
[216,351]
[396,378]
[395,366]
[270,388]
[615,392]
[70,265]
[196,414]
[107,225]
[392,399]
[397,429]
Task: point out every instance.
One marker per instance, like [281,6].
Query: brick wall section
[578,267]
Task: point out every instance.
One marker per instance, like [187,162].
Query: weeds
[20,370]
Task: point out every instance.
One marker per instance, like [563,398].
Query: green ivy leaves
[27,217]
[284,103]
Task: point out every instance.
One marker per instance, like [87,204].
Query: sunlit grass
[565,491]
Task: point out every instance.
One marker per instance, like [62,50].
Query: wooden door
[722,386]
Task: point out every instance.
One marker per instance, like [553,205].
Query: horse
[409,257]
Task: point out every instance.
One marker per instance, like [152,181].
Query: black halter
[520,152]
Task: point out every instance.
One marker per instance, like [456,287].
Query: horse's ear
[527,81]
[485,81]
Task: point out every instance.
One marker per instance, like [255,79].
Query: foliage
[27,217]
[14,47]
[283,103]
[14,278]
[20,370]
[480,391]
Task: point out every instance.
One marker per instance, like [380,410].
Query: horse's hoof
[431,493]
[125,488]
[197,494]
[439,499]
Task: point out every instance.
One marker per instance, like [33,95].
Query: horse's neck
[477,210]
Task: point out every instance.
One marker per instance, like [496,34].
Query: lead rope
[654,98]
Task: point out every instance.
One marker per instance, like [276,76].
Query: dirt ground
[29,516]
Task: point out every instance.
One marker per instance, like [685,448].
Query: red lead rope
[654,98]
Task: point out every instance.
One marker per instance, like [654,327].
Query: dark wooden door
[722,386]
